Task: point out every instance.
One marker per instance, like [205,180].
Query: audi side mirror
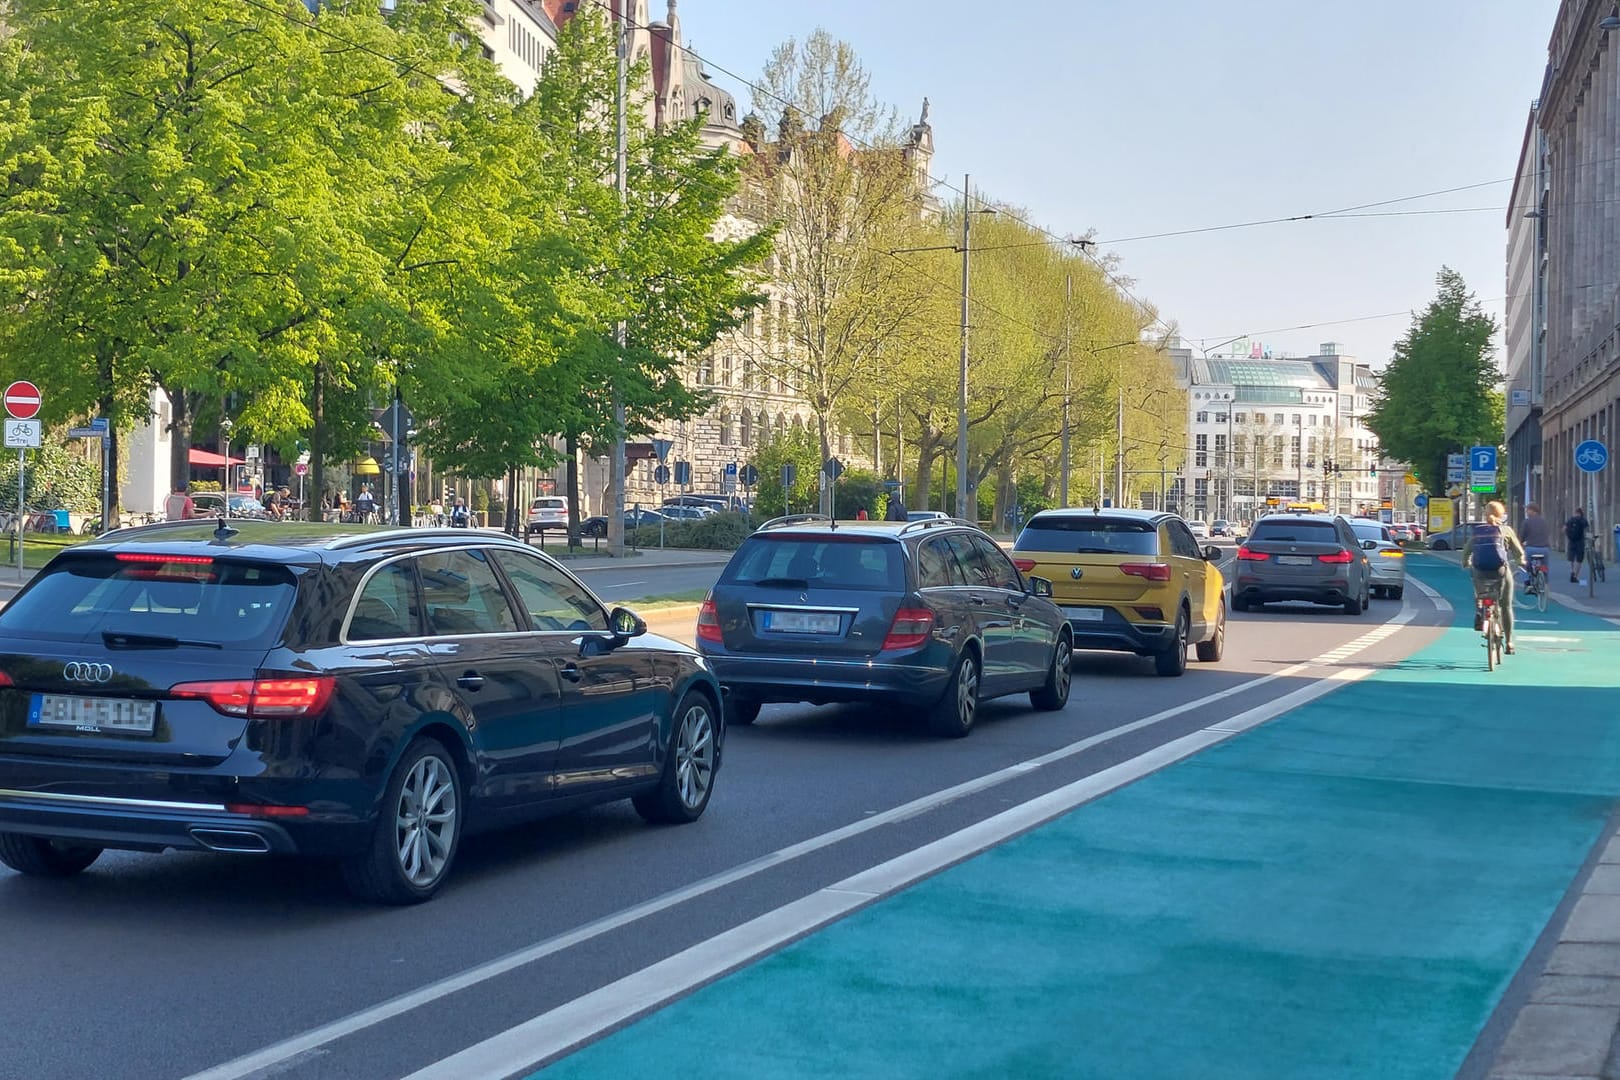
[626,624]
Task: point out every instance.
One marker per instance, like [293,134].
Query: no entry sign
[22,400]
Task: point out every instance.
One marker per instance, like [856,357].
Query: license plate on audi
[802,622]
[91,714]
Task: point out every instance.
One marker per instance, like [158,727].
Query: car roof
[1131,513]
[293,542]
[803,526]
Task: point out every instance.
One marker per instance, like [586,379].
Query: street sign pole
[22,455]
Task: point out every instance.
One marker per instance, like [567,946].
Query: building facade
[1525,359]
[1263,432]
[1579,116]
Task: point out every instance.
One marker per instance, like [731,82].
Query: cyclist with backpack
[1490,554]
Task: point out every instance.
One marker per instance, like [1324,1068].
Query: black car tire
[1397,592]
[39,856]
[1172,661]
[687,781]
[1353,606]
[375,874]
[741,711]
[1240,603]
[1211,651]
[952,716]
[1053,694]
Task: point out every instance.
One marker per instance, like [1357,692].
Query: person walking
[1575,530]
[1535,534]
[1490,554]
[179,505]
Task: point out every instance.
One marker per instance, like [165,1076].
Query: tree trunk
[314,509]
[571,483]
[922,480]
[180,439]
[512,503]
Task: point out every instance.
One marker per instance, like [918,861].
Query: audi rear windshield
[1089,534]
[792,562]
[144,600]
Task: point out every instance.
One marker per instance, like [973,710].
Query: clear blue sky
[1128,118]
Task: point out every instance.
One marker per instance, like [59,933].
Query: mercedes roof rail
[790,519]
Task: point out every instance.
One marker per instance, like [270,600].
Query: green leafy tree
[1439,394]
[796,447]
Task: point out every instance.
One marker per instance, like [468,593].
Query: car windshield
[818,562]
[1311,532]
[141,596]
[1090,534]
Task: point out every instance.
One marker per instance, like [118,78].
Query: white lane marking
[279,1052]
[1434,596]
[551,1034]
[620,585]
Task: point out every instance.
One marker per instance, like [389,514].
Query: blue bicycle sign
[1591,456]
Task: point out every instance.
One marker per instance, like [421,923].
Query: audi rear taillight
[1151,571]
[1246,555]
[262,699]
[1337,557]
[910,628]
[5,680]
[1024,565]
[708,624]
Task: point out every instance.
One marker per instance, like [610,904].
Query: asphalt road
[169,966]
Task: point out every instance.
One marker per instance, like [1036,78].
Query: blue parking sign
[1483,459]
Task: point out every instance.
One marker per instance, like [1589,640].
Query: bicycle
[1537,584]
[1594,559]
[1491,622]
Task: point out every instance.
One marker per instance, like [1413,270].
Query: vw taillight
[1151,571]
[910,628]
[1024,565]
[708,624]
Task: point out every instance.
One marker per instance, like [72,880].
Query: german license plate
[92,714]
[802,622]
[1084,614]
[1295,560]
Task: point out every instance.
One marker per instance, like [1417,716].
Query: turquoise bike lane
[1345,891]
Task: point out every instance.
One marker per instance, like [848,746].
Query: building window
[747,428]
[725,427]
[1220,418]
[1220,448]
[1201,487]
[1276,451]
[1297,420]
[1313,419]
[1240,418]
[1202,418]
[1294,450]
[1201,458]
[1277,419]
[1240,449]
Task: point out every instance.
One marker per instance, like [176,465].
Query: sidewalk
[1350,890]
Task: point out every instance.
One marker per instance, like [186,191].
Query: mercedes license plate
[1295,560]
[92,714]
[802,622]
[1084,614]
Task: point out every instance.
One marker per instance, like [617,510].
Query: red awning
[204,459]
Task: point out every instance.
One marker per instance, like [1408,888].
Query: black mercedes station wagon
[369,696]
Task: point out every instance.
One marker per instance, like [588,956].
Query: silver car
[1386,559]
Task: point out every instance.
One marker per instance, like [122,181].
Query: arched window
[781,426]
[764,426]
[747,428]
[725,427]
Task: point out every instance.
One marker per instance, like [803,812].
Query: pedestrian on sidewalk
[1575,530]
[1493,548]
[1536,535]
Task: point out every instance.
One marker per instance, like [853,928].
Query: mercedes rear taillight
[910,628]
[708,623]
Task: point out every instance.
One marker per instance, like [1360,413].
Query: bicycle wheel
[1597,565]
[1540,579]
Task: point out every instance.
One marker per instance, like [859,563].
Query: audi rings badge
[87,672]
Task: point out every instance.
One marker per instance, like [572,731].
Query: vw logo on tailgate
[1075,572]
[85,671]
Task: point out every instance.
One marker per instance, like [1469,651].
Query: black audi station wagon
[258,687]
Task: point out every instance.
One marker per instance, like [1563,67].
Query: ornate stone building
[1579,118]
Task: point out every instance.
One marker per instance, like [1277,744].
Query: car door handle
[470,680]
[571,672]
[976,599]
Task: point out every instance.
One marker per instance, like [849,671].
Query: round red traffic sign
[22,400]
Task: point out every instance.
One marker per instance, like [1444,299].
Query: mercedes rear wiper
[784,582]
[118,639]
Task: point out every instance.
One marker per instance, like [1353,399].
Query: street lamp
[225,427]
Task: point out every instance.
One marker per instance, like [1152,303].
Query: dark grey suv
[1315,557]
[930,615]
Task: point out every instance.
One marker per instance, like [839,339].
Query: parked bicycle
[1594,556]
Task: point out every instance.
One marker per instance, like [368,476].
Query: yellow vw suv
[1129,581]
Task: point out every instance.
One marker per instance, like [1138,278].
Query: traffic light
[1372,470]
